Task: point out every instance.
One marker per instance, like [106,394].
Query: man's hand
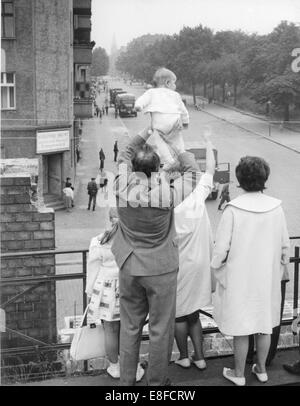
[185,125]
[137,108]
[145,133]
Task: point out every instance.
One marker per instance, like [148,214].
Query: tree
[100,62]
[276,81]
[195,47]
[282,91]
[135,60]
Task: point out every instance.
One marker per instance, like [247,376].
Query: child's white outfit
[102,282]
[168,113]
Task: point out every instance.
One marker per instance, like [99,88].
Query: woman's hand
[207,133]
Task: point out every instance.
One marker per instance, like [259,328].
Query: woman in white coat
[251,248]
[195,245]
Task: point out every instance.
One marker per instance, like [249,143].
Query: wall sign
[52,141]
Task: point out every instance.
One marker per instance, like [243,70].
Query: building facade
[82,59]
[39,78]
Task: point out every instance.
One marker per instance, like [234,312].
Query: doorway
[52,174]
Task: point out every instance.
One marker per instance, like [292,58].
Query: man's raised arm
[129,146]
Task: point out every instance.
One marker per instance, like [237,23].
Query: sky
[129,19]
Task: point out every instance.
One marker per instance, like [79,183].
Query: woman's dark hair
[252,173]
[145,160]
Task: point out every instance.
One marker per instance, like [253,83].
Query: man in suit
[92,192]
[116,150]
[146,252]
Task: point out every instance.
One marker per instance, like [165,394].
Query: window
[83,75]
[82,21]
[8,94]
[7,19]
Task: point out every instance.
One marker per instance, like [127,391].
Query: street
[74,230]
[233,143]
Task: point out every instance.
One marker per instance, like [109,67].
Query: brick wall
[24,228]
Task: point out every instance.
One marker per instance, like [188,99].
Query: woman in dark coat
[102,158]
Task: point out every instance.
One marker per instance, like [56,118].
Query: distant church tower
[113,56]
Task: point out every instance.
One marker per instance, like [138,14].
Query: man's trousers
[140,295]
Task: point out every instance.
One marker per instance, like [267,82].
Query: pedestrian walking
[103,180]
[116,150]
[106,103]
[68,198]
[116,112]
[77,154]
[69,184]
[268,107]
[97,111]
[101,158]
[103,290]
[103,110]
[252,244]
[146,252]
[224,196]
[92,192]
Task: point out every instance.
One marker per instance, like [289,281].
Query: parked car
[124,102]
[222,171]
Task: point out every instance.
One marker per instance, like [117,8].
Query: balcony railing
[37,280]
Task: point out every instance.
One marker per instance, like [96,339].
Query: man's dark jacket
[145,243]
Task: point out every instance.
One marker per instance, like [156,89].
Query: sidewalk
[74,230]
[248,122]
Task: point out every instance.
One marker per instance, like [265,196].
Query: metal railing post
[296,282]
[84,298]
[50,327]
[84,270]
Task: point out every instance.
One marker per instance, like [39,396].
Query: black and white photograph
[150,196]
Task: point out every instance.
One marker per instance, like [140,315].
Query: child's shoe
[114,370]
[140,372]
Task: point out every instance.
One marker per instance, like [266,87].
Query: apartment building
[45,58]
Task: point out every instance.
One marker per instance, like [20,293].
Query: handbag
[88,341]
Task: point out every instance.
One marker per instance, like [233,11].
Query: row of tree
[259,63]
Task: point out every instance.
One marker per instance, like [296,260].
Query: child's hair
[109,234]
[162,75]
